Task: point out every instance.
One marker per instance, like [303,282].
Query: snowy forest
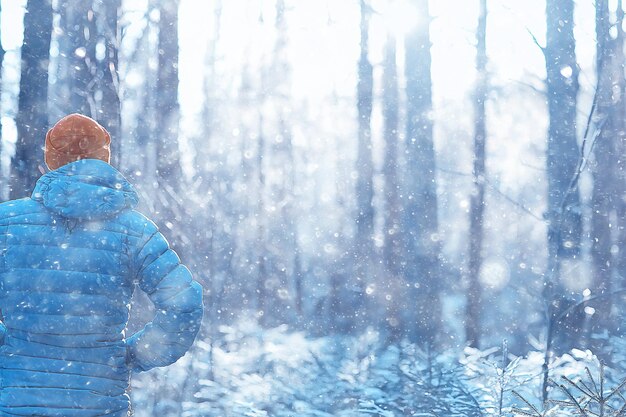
[394,207]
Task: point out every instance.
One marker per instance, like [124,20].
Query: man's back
[70,257]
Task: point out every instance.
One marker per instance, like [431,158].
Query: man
[70,257]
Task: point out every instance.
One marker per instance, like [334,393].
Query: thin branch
[575,402]
[532,35]
[587,300]
[530,86]
[525,401]
[587,391]
[497,190]
[616,390]
[514,202]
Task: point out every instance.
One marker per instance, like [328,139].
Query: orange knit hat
[76,137]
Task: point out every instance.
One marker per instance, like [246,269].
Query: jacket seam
[136,258]
[73,247]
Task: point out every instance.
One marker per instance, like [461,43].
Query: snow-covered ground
[278,372]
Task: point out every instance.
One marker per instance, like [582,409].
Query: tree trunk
[260,235]
[110,108]
[282,237]
[81,31]
[59,92]
[562,82]
[206,175]
[477,199]
[391,248]
[564,219]
[32,117]
[365,170]
[167,98]
[86,82]
[392,228]
[605,195]
[211,101]
[145,132]
[169,171]
[421,217]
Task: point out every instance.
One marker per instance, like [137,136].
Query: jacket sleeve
[177,299]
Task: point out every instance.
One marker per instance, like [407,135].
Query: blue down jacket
[70,257]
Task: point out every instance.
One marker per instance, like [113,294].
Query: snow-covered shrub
[250,371]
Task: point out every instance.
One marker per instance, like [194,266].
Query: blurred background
[437,174]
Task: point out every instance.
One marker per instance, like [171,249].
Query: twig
[525,401]
[532,87]
[514,202]
[587,300]
[497,190]
[532,35]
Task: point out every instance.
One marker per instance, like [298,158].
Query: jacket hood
[85,189]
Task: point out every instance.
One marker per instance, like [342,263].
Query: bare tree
[477,199]
[145,56]
[206,176]
[365,167]
[261,291]
[167,98]
[32,117]
[86,70]
[562,82]
[420,201]
[169,171]
[282,239]
[392,246]
[563,215]
[79,26]
[108,113]
[605,196]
